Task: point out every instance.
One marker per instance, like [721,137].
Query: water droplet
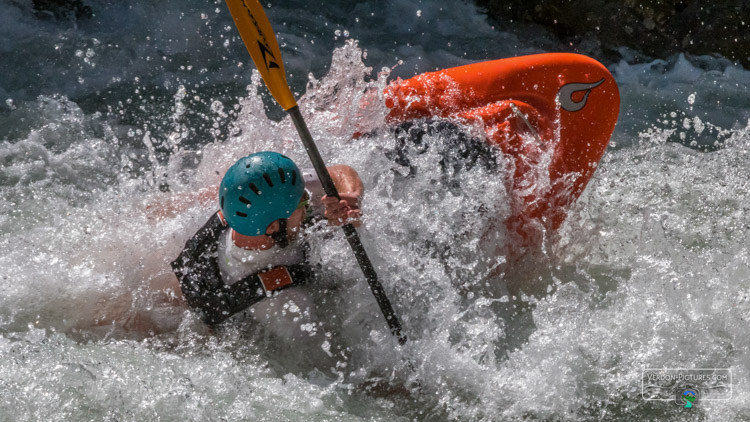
[698,125]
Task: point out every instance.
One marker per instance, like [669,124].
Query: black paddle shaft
[351,233]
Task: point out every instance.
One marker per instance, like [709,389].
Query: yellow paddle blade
[260,40]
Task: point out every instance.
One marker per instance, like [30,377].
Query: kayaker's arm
[350,188]
[345,178]
[181,202]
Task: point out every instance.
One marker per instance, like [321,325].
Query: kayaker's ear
[272,228]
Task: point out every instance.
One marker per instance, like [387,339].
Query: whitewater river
[104,119]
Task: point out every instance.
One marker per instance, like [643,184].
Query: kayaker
[250,249]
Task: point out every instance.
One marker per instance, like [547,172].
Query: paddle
[260,40]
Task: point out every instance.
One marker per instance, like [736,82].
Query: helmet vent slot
[282,176]
[241,214]
[254,188]
[222,202]
[245,200]
[268,179]
[294,177]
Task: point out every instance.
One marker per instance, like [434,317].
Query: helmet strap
[280,237]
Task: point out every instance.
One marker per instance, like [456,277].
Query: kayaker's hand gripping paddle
[260,40]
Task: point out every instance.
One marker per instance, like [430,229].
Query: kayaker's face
[264,242]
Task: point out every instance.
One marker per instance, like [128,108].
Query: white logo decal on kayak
[565,95]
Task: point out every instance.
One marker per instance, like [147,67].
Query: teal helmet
[258,190]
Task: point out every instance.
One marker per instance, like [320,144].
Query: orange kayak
[552,111]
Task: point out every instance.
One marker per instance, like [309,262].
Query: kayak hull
[558,109]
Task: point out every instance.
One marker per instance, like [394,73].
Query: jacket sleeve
[197,269]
